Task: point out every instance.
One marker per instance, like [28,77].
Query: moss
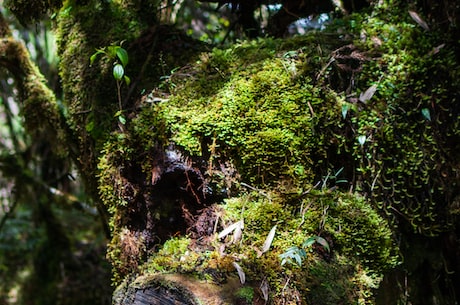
[250,113]
[401,163]
[286,117]
[244,117]
[246,294]
[360,251]
[30,11]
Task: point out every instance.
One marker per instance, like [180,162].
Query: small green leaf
[118,72]
[89,127]
[122,119]
[93,57]
[426,113]
[112,51]
[122,54]
[127,80]
[345,108]
[293,254]
[310,241]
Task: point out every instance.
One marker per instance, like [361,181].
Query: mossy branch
[38,102]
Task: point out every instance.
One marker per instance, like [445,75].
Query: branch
[38,102]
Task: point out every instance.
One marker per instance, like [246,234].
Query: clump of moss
[408,160]
[285,115]
[250,111]
[245,116]
[353,268]
[246,294]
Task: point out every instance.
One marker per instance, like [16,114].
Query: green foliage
[400,130]
[119,57]
[347,263]
[297,255]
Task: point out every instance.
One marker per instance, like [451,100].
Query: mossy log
[325,143]
[171,289]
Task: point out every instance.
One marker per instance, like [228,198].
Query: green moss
[245,293]
[174,256]
[401,164]
[286,116]
[360,240]
[249,112]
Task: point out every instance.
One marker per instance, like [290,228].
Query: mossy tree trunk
[271,171]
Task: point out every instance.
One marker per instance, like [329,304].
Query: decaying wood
[171,289]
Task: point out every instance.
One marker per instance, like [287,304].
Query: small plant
[296,255]
[120,59]
[333,177]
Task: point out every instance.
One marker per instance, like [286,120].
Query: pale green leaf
[269,239]
[93,57]
[118,72]
[310,241]
[345,108]
[426,113]
[122,119]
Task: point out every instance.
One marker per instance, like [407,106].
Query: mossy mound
[294,120]
[359,241]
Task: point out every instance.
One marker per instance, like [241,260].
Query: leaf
[299,256]
[264,289]
[293,254]
[127,80]
[240,271]
[118,72]
[122,119]
[416,17]
[362,140]
[230,229]
[323,243]
[309,241]
[426,113]
[122,55]
[89,127]
[345,108]
[238,232]
[269,239]
[93,57]
[112,52]
[368,94]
